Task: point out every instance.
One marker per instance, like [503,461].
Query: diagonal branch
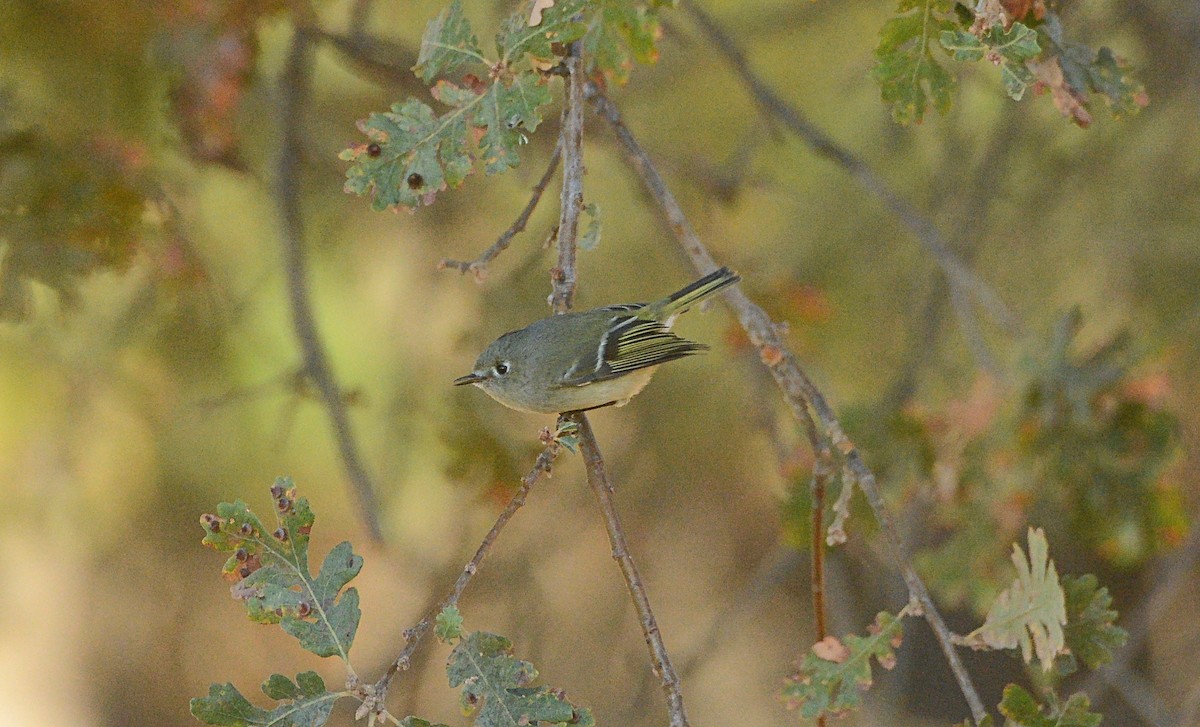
[478,266]
[294,90]
[413,636]
[798,390]
[959,275]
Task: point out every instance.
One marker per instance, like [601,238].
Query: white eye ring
[501,368]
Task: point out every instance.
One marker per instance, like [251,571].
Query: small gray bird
[586,360]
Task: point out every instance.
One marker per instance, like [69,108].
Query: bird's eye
[501,368]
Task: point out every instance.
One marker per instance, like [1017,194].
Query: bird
[591,359]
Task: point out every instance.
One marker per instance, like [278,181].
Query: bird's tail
[693,293]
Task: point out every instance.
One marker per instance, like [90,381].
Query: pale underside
[616,392]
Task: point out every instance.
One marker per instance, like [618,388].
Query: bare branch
[571,143]
[478,266]
[294,89]
[798,391]
[957,272]
[598,480]
[413,636]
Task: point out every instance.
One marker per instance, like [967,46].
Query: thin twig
[413,636]
[598,480]
[822,471]
[957,272]
[478,266]
[570,142]
[294,89]
[798,391]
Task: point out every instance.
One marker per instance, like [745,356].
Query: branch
[598,480]
[478,266]
[563,279]
[294,89]
[570,142]
[798,391]
[541,466]
[957,272]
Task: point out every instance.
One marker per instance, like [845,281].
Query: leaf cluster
[492,102]
[274,581]
[1023,38]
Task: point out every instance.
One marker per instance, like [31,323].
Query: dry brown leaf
[832,649]
[539,7]
[1067,100]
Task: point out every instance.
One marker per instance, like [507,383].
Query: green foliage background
[156,375]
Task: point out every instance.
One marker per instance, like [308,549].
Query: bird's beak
[471,378]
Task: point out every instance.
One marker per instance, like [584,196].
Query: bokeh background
[158,372]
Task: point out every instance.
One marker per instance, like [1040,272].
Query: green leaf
[619,34]
[275,581]
[1091,634]
[448,45]
[590,239]
[416,722]
[1111,76]
[517,38]
[1031,612]
[1009,49]
[568,436]
[910,79]
[305,703]
[495,686]
[835,672]
[1022,710]
[448,624]
[965,46]
[413,154]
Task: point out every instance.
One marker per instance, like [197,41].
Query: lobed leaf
[620,33]
[495,685]
[1031,613]
[559,24]
[1022,710]
[305,703]
[448,44]
[1091,633]
[1010,49]
[448,624]
[274,577]
[835,672]
[1085,71]
[910,79]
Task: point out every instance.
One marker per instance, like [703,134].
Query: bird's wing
[629,344]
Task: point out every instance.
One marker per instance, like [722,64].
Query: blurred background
[149,366]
